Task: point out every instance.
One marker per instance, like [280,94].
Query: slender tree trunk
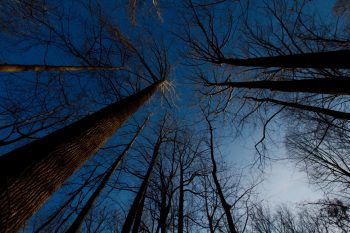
[333,86]
[332,113]
[85,210]
[163,213]
[180,224]
[225,205]
[163,205]
[137,223]
[31,173]
[41,68]
[164,210]
[130,219]
[333,59]
[207,211]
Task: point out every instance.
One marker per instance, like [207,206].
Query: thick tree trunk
[333,86]
[85,210]
[31,173]
[225,205]
[65,204]
[41,68]
[332,113]
[137,203]
[333,59]
[180,224]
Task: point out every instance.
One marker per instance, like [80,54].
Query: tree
[85,210]
[133,218]
[333,86]
[57,156]
[322,152]
[270,61]
[316,217]
[226,206]
[41,68]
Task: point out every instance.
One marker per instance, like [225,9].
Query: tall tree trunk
[163,211]
[31,173]
[85,210]
[225,205]
[207,211]
[333,86]
[137,222]
[329,112]
[180,224]
[333,59]
[74,194]
[130,219]
[164,208]
[41,68]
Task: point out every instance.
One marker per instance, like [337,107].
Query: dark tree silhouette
[133,218]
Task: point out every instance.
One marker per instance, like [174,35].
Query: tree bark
[329,112]
[332,86]
[137,203]
[225,205]
[332,59]
[85,210]
[41,68]
[31,173]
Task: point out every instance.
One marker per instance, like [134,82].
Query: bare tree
[22,168]
[133,219]
[79,219]
[225,205]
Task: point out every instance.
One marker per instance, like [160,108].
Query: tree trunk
[207,211]
[137,223]
[66,203]
[180,224]
[164,209]
[225,205]
[31,173]
[130,219]
[329,112]
[85,210]
[332,86]
[41,68]
[333,59]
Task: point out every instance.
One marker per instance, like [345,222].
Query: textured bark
[137,203]
[329,112]
[333,86]
[65,204]
[31,173]
[225,205]
[333,59]
[85,210]
[41,68]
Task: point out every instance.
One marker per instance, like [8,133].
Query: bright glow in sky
[285,184]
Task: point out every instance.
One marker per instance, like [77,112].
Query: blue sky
[283,182]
